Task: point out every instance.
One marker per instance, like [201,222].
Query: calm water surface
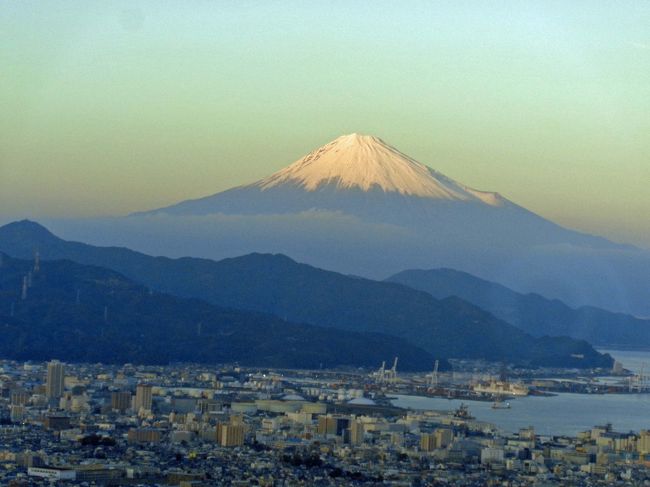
[565,414]
[631,360]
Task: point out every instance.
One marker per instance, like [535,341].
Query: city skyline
[132,107]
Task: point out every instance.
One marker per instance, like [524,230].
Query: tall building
[232,434]
[444,437]
[19,398]
[120,401]
[356,432]
[643,443]
[17,413]
[143,397]
[55,379]
[332,425]
[427,442]
[439,438]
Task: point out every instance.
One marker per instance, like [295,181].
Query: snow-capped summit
[354,174]
[367,163]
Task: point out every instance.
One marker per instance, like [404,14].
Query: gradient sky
[113,107]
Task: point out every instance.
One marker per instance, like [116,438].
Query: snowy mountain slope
[355,174]
[367,163]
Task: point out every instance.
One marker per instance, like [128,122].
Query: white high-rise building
[143,397]
[55,379]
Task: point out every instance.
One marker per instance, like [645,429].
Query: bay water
[564,414]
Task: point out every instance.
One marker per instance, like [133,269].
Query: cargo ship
[502,388]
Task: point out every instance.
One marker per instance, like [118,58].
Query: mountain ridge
[304,294]
[89,313]
[531,312]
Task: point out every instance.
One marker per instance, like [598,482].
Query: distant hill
[84,313]
[449,328]
[532,313]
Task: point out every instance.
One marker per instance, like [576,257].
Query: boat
[502,388]
[462,412]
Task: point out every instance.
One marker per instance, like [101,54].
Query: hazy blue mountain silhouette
[532,313]
[86,313]
[301,293]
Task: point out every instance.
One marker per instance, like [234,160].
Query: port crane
[392,373]
[432,378]
[383,375]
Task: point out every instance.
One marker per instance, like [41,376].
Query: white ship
[502,388]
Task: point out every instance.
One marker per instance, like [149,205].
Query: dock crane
[432,378]
[392,373]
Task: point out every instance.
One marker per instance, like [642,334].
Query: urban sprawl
[196,425]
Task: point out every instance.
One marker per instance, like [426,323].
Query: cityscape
[324,243]
[192,425]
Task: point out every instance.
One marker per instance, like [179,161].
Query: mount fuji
[358,205]
[364,177]
[353,173]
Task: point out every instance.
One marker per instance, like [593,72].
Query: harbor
[599,400]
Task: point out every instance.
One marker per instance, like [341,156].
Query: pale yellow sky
[109,109]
